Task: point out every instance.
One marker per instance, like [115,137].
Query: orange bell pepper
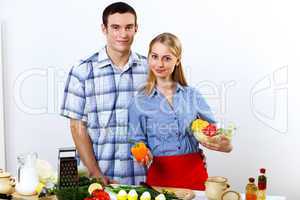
[139,151]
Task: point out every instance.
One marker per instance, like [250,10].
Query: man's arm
[84,146]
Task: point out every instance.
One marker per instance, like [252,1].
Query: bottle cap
[251,180]
[262,170]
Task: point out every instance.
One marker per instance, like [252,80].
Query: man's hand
[106,180]
[111,181]
[223,144]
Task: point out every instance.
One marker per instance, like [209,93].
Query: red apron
[181,171]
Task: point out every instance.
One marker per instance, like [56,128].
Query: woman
[160,116]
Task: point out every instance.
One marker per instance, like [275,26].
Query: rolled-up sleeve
[203,109]
[74,100]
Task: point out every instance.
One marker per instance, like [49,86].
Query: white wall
[2,138]
[243,55]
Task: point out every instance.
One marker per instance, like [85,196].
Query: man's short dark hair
[118,7]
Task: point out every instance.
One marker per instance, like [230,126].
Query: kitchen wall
[242,55]
[2,143]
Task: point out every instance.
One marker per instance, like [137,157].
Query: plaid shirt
[93,96]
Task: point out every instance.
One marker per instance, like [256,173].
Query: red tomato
[100,195]
[97,193]
[210,130]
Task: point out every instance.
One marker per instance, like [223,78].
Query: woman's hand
[223,144]
[147,160]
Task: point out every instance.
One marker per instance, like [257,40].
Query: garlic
[122,195]
[132,195]
[145,196]
[160,197]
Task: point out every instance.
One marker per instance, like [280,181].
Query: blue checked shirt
[99,95]
[164,128]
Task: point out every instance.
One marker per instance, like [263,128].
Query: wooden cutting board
[16,196]
[185,194]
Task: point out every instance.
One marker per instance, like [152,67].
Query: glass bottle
[262,185]
[251,190]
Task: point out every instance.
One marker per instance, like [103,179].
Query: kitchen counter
[201,196]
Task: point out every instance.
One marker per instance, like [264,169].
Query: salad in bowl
[209,133]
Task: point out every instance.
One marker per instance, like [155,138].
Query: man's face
[120,31]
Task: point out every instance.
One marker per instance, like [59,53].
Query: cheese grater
[67,168]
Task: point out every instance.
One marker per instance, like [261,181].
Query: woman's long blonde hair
[174,45]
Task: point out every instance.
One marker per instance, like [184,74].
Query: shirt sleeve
[136,123]
[74,99]
[203,110]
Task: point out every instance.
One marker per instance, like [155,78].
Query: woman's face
[161,61]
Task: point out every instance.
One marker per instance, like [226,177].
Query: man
[96,97]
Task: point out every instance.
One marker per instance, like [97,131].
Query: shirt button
[179,147]
[175,118]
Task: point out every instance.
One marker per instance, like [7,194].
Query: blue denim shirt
[164,128]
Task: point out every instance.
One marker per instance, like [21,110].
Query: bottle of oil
[251,190]
[262,185]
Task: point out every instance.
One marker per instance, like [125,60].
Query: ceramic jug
[27,174]
[215,187]
[7,183]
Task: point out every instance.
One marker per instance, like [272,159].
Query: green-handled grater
[67,168]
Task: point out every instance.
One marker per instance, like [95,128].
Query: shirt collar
[178,89]
[104,60]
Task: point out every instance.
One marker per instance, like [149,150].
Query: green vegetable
[76,193]
[72,193]
[141,189]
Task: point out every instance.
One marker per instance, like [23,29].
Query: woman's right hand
[147,160]
[141,153]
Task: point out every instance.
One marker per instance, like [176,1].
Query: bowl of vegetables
[206,132]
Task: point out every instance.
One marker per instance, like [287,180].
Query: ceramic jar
[7,183]
[215,187]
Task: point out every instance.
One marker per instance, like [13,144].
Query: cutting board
[185,194]
[16,196]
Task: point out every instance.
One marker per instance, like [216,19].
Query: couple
[105,115]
